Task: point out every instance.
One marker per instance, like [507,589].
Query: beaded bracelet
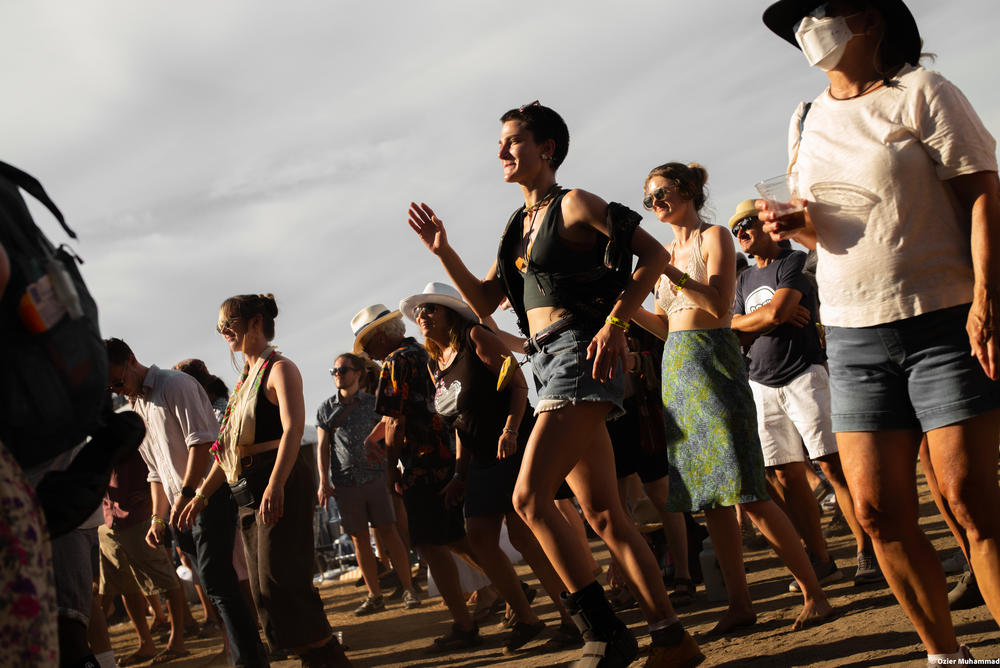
[680,284]
[156,520]
[510,431]
[199,495]
[617,322]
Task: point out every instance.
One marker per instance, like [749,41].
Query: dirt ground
[871,629]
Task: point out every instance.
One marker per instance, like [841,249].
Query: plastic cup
[783,190]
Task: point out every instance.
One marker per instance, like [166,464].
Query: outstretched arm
[483,295]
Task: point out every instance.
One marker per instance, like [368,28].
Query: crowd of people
[768,374]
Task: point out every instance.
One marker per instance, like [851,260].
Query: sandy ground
[871,629]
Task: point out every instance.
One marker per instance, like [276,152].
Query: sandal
[169,655]
[135,659]
[622,599]
[521,635]
[484,612]
[457,639]
[566,636]
[683,593]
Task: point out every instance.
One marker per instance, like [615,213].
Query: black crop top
[268,424]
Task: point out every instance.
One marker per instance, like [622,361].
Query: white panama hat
[368,319]
[438,293]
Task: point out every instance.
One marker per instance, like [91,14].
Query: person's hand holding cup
[780,208]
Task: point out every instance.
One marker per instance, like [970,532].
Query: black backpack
[54,378]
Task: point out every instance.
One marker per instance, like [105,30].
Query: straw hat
[367,320]
[438,293]
[743,210]
[901,28]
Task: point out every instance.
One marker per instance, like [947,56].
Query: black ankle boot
[608,642]
[330,655]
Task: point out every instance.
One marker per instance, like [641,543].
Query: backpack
[53,385]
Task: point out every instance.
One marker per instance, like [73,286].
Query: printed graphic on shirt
[762,296]
[446,397]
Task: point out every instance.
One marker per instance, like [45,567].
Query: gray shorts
[363,504]
[915,373]
[563,374]
[74,561]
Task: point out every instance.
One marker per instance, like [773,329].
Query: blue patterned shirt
[351,463]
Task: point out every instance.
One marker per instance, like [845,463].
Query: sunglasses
[429,309]
[227,324]
[659,195]
[741,227]
[536,103]
[341,370]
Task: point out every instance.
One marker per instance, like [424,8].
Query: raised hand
[428,227]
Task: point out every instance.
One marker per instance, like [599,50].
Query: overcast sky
[202,150]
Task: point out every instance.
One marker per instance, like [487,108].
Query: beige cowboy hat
[367,320]
[438,293]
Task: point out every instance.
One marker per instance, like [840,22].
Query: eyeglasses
[739,230]
[119,384]
[659,195]
[341,370]
[227,324]
[429,309]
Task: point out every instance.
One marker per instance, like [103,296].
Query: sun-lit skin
[521,157]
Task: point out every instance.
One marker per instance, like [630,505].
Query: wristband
[681,283]
[199,495]
[156,520]
[508,430]
[187,492]
[617,322]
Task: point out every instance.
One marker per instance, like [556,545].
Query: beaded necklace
[216,448]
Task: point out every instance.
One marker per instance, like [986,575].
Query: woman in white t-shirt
[896,168]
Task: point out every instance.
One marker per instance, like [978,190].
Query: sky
[202,150]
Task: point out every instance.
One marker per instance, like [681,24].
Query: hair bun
[269,304]
[700,172]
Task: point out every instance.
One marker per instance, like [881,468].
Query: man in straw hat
[415,434]
[774,314]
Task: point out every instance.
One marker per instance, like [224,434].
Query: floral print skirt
[27,589]
[711,423]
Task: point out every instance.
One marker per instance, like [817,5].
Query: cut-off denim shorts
[915,373]
[563,374]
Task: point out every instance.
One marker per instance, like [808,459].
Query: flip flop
[169,655]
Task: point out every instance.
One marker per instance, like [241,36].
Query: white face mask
[823,40]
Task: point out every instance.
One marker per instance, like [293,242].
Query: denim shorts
[563,374]
[915,373]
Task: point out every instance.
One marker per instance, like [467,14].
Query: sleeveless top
[465,395]
[667,296]
[268,426]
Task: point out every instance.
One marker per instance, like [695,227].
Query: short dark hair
[544,124]
[118,351]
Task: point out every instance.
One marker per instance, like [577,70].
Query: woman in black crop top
[491,428]
[259,440]
[564,264]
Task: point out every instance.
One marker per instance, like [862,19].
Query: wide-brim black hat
[901,28]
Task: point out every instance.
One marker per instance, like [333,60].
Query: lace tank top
[667,296]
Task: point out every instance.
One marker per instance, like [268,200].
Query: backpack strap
[30,185]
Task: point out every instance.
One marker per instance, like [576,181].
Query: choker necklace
[549,194]
[867,89]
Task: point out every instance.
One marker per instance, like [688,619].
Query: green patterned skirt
[711,423]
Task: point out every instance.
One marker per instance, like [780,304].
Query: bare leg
[175,610]
[801,507]
[673,526]
[396,553]
[484,538]
[964,456]
[584,452]
[780,533]
[525,542]
[725,533]
[834,472]
[445,573]
[880,471]
[135,606]
[367,563]
[575,521]
[97,629]
[159,616]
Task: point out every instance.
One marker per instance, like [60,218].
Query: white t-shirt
[893,241]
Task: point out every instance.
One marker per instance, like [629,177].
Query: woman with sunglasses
[553,266]
[258,454]
[716,462]
[491,428]
[903,209]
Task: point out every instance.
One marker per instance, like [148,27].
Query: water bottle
[715,588]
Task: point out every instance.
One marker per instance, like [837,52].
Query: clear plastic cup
[782,189]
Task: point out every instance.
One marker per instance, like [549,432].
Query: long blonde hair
[458,328]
